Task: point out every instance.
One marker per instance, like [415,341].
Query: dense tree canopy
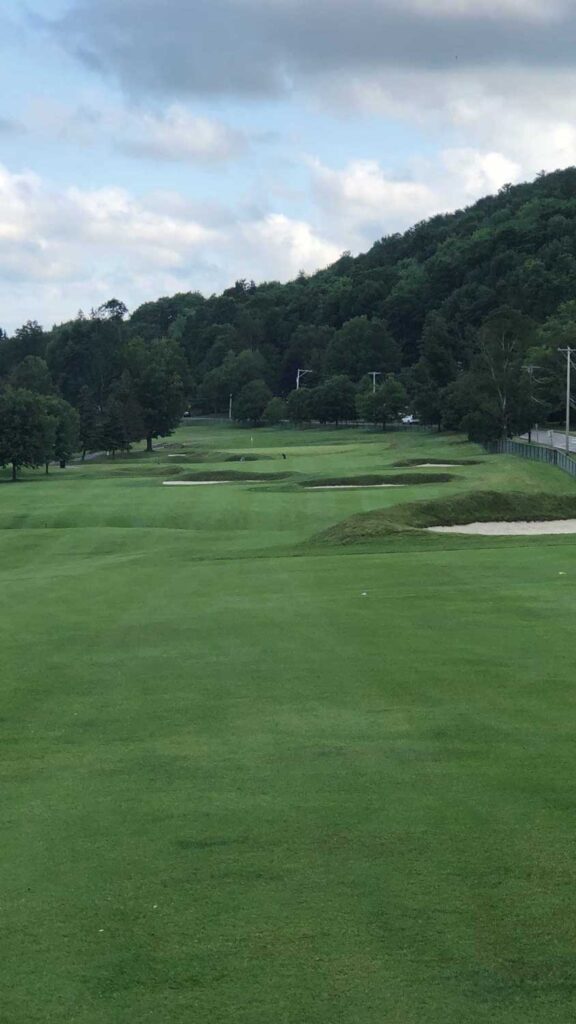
[252,402]
[426,309]
[386,403]
[35,429]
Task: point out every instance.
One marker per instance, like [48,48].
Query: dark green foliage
[122,420]
[423,306]
[547,365]
[335,400]
[86,353]
[362,346]
[247,366]
[300,406]
[252,402]
[498,391]
[112,310]
[427,397]
[275,412]
[65,430]
[158,372]
[387,403]
[27,431]
[28,340]
[32,374]
[419,299]
[90,426]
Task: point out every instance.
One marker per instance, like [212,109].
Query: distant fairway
[254,772]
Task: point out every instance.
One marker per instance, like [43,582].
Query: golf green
[252,776]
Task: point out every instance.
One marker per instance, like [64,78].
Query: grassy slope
[237,790]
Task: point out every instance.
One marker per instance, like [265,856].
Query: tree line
[459,321]
[104,387]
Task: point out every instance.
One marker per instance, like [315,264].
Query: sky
[149,147]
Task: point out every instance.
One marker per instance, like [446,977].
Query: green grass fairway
[251,775]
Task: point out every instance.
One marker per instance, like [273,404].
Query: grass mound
[246,458]
[233,475]
[216,456]
[375,480]
[476,507]
[114,470]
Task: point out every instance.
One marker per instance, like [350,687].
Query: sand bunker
[435,465]
[205,483]
[351,487]
[519,529]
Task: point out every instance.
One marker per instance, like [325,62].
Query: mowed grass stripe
[331,787]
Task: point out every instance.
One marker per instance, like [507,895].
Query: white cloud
[62,225]
[545,10]
[528,118]
[364,201]
[65,248]
[62,249]
[180,136]
[363,195]
[279,247]
[173,134]
[477,173]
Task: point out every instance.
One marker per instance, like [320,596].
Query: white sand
[435,465]
[206,483]
[519,529]
[351,487]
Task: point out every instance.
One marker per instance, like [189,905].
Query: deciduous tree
[26,430]
[252,402]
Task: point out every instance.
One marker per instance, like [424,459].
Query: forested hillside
[461,317]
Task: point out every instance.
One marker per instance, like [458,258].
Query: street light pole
[230,408]
[374,374]
[301,373]
[568,353]
[530,371]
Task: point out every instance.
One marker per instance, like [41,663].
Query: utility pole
[374,374]
[230,408]
[568,353]
[530,371]
[301,373]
